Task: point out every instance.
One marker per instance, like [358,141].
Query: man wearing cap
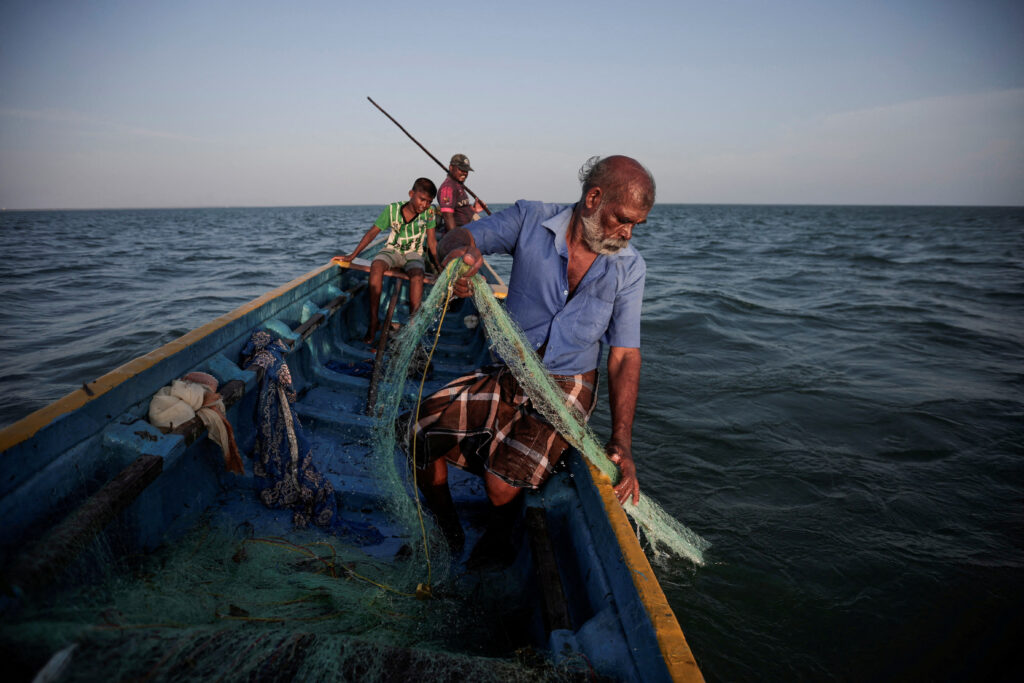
[452,198]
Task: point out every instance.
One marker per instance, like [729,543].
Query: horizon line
[656,204]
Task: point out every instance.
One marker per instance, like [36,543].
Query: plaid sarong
[485,422]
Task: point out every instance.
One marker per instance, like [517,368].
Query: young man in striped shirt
[412,226]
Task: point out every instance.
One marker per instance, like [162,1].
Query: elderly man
[576,284]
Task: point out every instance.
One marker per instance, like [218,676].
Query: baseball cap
[461,161]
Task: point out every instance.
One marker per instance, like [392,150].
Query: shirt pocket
[592,320]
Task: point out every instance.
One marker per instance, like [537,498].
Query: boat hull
[90,466]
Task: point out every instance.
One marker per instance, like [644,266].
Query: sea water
[832,396]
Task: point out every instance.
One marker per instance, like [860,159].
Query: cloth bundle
[196,394]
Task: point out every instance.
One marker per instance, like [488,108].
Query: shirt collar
[559,226]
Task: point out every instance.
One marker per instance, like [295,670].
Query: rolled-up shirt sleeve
[446,198]
[624,327]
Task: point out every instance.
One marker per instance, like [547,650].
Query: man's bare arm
[370,235]
[623,389]
[432,245]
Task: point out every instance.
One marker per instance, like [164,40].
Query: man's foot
[371,333]
[454,536]
[439,501]
[496,549]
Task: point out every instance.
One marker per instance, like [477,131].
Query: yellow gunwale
[28,426]
[679,659]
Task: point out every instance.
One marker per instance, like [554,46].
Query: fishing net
[223,605]
[662,532]
[392,411]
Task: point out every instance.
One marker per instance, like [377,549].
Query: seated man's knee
[499,491]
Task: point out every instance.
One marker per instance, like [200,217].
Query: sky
[110,104]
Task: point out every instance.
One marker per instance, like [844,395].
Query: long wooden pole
[378,359]
[436,161]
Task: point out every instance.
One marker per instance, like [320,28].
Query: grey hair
[598,172]
[587,172]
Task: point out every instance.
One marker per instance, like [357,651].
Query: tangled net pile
[226,606]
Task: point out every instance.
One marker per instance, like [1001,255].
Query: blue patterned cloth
[283,458]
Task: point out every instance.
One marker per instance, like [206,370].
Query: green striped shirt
[404,236]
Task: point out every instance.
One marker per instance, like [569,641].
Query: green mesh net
[392,399]
[220,605]
[663,532]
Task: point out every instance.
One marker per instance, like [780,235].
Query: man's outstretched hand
[628,486]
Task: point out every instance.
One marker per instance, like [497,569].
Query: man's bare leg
[432,480]
[415,290]
[495,549]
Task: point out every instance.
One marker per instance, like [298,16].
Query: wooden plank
[394,272]
[378,363]
[553,601]
[307,328]
[44,561]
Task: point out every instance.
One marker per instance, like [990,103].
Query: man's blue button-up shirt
[605,307]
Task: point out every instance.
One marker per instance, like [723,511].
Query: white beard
[593,236]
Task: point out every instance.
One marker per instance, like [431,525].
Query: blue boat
[113,529]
